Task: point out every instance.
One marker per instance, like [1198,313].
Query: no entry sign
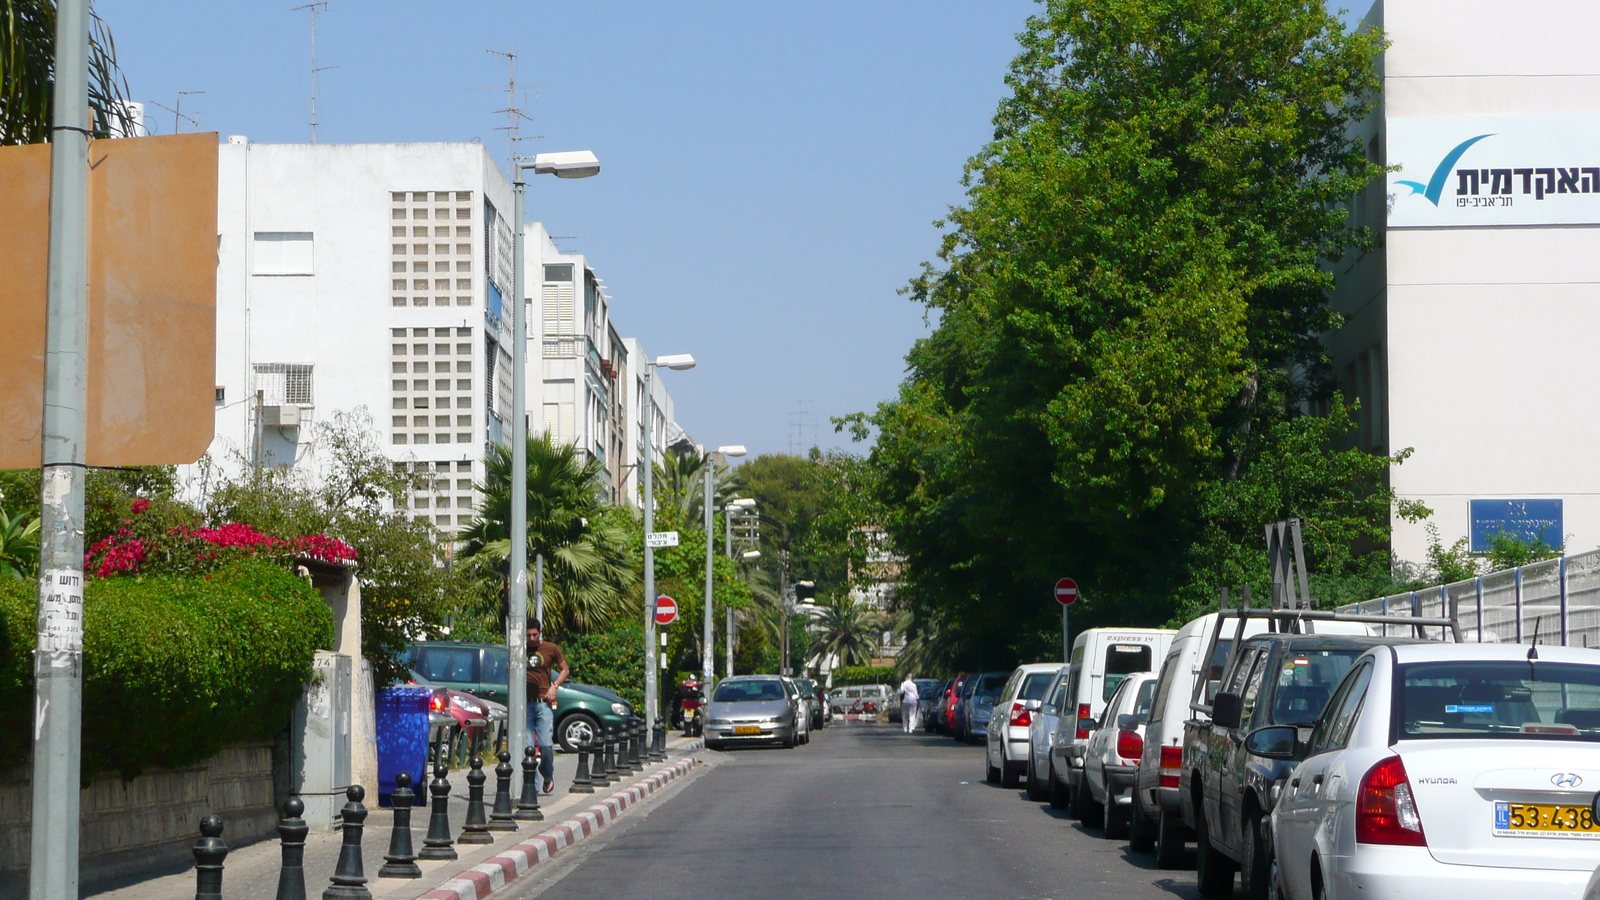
[666,610]
[1066,592]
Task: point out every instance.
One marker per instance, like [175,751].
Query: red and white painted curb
[481,880]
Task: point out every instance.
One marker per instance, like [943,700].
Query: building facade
[1464,338]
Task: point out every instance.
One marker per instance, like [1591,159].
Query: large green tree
[1127,313]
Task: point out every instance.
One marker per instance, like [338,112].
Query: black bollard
[612,776]
[581,783]
[597,759]
[640,759]
[349,881]
[475,830]
[437,845]
[209,852]
[292,831]
[528,807]
[624,738]
[501,818]
[661,742]
[400,862]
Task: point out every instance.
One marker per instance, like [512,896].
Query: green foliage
[19,544]
[174,668]
[27,74]
[1508,551]
[591,565]
[1117,385]
[846,675]
[611,658]
[1447,566]
[849,629]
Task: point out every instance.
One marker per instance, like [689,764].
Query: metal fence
[1557,600]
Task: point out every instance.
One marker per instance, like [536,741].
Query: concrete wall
[149,823]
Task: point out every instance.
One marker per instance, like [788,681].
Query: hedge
[175,667]
[865,675]
[613,659]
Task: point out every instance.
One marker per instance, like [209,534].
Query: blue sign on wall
[1529,520]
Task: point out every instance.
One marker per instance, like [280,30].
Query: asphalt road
[862,811]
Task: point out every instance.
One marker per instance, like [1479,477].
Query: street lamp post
[708,655]
[680,362]
[575,164]
[728,512]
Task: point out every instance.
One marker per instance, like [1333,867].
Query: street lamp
[680,362]
[788,612]
[734,506]
[708,666]
[571,164]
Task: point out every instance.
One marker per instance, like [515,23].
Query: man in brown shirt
[542,657]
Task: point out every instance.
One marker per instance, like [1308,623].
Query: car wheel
[1141,829]
[576,729]
[1255,869]
[1060,797]
[1009,776]
[1084,808]
[1169,840]
[1116,818]
[991,774]
[788,741]
[1036,791]
[1213,871]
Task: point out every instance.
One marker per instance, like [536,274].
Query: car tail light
[1171,766]
[1083,713]
[1130,745]
[436,703]
[1020,717]
[1386,810]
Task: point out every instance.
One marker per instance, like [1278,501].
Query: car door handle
[1317,778]
[1294,783]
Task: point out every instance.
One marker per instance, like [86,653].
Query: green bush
[175,668]
[613,659]
[865,675]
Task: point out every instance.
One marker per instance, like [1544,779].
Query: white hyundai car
[1463,771]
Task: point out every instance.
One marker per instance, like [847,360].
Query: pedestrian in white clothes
[908,704]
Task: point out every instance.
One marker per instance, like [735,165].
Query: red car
[952,696]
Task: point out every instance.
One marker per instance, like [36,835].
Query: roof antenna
[315,8]
[1533,651]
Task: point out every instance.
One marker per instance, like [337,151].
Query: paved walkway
[251,872]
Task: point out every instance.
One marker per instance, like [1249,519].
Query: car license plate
[746,729]
[1544,820]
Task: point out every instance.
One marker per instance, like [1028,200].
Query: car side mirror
[1128,722]
[1031,705]
[1226,709]
[1088,724]
[1278,742]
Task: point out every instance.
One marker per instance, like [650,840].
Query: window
[419,349]
[463,484]
[463,421]
[397,385]
[398,368]
[1123,660]
[398,438]
[441,231]
[1034,685]
[398,214]
[399,284]
[558,273]
[1306,681]
[1347,710]
[421,439]
[397,403]
[441,439]
[464,349]
[399,249]
[463,365]
[398,421]
[463,284]
[397,301]
[419,384]
[419,284]
[463,231]
[282,253]
[1498,699]
[463,332]
[1058,699]
[419,214]
[441,349]
[418,367]
[441,421]
[463,503]
[441,520]
[419,267]
[1252,689]
[441,249]
[464,466]
[419,421]
[420,402]
[419,231]
[418,249]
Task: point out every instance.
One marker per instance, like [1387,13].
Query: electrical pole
[648,411]
[517,698]
[58,654]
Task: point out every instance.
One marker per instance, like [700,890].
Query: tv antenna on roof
[513,113]
[177,110]
[315,8]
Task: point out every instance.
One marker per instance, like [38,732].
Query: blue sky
[771,171]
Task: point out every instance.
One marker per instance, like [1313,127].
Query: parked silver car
[1111,763]
[752,709]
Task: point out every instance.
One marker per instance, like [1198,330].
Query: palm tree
[589,567]
[27,74]
[680,483]
[849,630]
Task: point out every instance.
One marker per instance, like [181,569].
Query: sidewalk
[251,873]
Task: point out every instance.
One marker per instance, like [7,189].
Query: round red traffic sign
[1066,592]
[666,610]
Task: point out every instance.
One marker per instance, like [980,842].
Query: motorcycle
[689,712]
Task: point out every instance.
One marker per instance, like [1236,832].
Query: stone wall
[149,823]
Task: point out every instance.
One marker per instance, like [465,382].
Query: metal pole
[783,603]
[517,618]
[1066,638]
[648,412]
[727,635]
[708,651]
[538,587]
[261,433]
[58,659]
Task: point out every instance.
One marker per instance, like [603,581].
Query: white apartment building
[376,276]
[1468,337]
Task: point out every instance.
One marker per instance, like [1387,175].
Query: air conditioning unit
[287,416]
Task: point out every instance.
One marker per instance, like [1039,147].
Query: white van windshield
[1123,660]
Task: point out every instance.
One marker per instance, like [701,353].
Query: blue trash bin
[402,723]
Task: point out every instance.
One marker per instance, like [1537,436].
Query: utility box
[287,416]
[320,740]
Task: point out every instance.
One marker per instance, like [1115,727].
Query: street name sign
[1066,592]
[666,608]
[661,539]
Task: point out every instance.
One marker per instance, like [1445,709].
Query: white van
[1101,658]
[1157,816]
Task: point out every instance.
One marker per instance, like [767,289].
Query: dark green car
[480,670]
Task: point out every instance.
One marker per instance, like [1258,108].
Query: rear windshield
[926,687]
[1141,705]
[1123,660]
[1498,699]
[737,691]
[807,688]
[1034,686]
[1306,681]
[990,685]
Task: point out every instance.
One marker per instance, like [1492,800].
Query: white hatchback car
[1006,739]
[1444,770]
